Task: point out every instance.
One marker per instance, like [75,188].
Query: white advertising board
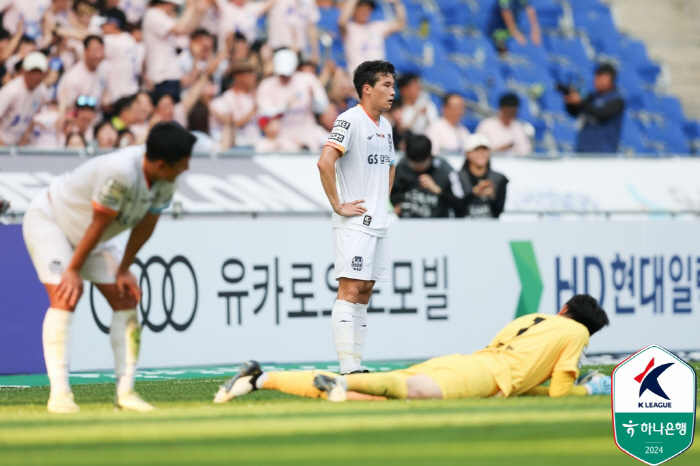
[261,288]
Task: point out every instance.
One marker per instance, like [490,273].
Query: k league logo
[653,400]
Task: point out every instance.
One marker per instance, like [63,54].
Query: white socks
[343,328]
[125,336]
[360,322]
[349,327]
[56,339]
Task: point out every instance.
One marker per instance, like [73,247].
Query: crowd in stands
[272,75]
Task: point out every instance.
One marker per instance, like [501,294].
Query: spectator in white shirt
[88,77]
[134,9]
[198,57]
[30,11]
[447,134]
[298,97]
[505,133]
[272,142]
[160,26]
[122,54]
[21,99]
[418,111]
[241,16]
[364,39]
[237,107]
[292,24]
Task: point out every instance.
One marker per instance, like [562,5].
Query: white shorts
[360,255]
[51,252]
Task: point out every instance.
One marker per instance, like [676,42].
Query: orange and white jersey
[113,183]
[363,169]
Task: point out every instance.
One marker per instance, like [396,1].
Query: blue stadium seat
[670,136]
[329,21]
[397,52]
[564,133]
[668,106]
[570,48]
[632,138]
[553,102]
[597,23]
[632,53]
[477,50]
[529,51]
[548,12]
[471,121]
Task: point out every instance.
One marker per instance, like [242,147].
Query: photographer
[600,113]
[425,186]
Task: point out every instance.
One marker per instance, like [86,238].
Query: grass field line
[169,431]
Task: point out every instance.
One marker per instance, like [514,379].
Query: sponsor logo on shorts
[367,220]
[341,124]
[357,263]
[56,267]
[337,137]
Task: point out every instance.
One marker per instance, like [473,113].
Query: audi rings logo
[168,285]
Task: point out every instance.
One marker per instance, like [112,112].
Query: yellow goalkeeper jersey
[528,350]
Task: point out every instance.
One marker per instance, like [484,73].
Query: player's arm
[71,287]
[392,174]
[326,165]
[138,237]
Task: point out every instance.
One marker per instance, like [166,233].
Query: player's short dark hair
[124,103]
[406,79]
[90,38]
[170,142]
[418,147]
[584,309]
[509,100]
[369,72]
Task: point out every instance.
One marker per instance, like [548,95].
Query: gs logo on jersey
[378,159]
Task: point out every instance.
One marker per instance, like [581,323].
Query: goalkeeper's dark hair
[170,142]
[370,72]
[584,309]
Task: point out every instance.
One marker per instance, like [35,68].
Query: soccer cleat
[131,401]
[240,384]
[334,387]
[595,383]
[62,403]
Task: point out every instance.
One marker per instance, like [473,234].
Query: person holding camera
[600,113]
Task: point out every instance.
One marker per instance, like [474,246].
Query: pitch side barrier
[220,291]
[239,183]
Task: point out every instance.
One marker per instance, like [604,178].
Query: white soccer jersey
[113,183]
[363,169]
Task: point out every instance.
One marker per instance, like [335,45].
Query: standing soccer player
[361,151]
[68,230]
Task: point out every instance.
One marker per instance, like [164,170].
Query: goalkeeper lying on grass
[527,352]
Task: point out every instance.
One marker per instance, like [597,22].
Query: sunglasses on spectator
[86,101]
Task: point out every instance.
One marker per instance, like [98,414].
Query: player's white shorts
[51,252]
[360,255]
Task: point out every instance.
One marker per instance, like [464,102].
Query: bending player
[68,230]
[527,352]
[360,150]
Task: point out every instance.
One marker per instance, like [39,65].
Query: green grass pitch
[274,428]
